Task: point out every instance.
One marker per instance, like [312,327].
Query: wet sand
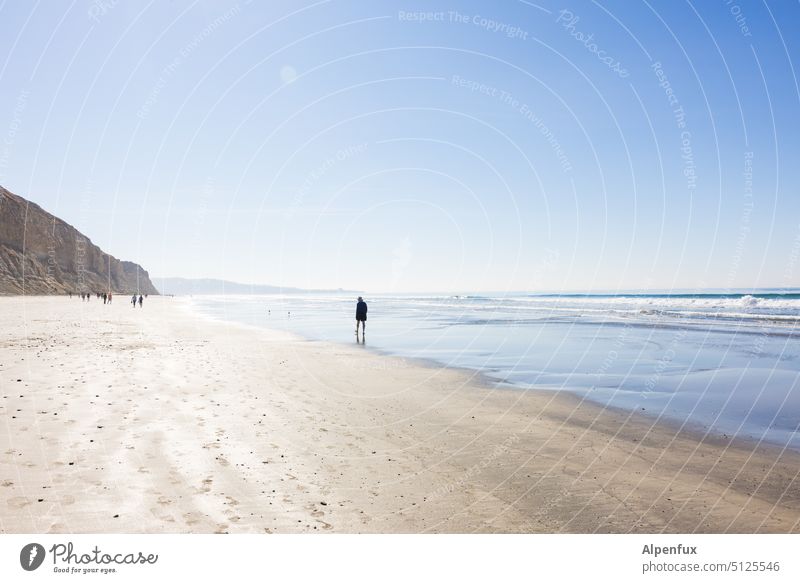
[157,420]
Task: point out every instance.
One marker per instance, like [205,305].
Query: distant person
[140,301]
[109,297]
[361,317]
[133,300]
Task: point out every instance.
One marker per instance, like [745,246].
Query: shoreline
[163,421]
[480,378]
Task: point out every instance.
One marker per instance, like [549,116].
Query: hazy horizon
[621,291]
[401,148]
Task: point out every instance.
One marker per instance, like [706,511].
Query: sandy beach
[156,420]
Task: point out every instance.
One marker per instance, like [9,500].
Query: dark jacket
[361,310]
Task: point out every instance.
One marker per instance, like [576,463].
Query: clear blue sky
[413,146]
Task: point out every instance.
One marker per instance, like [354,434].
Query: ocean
[721,363]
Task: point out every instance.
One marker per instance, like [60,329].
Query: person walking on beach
[133,300]
[361,317]
[140,301]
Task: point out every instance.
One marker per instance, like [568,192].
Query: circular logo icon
[31,556]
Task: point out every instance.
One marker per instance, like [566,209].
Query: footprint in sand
[192,518]
[18,502]
[158,513]
[314,511]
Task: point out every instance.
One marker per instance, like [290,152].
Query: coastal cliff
[41,254]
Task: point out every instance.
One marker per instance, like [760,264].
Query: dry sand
[157,420]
